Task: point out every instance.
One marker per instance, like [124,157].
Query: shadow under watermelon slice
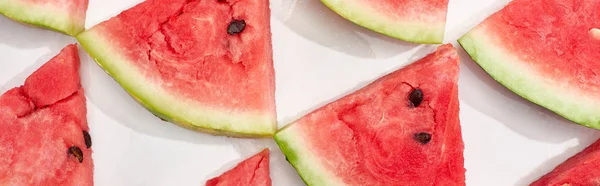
[581,169]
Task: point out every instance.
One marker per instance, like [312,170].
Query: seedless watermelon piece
[56,79]
[205,65]
[16,102]
[402,129]
[47,145]
[253,171]
[581,169]
[544,51]
[66,16]
[418,21]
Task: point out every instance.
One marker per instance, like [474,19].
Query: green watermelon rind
[164,105]
[305,163]
[505,69]
[43,17]
[424,33]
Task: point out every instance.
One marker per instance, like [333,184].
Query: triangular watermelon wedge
[44,136]
[581,169]
[204,65]
[418,21]
[546,51]
[253,171]
[66,16]
[402,129]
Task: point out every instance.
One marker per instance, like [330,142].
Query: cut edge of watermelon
[44,17]
[424,33]
[308,167]
[510,72]
[167,106]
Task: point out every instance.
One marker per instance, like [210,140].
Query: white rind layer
[412,31]
[559,97]
[43,16]
[298,153]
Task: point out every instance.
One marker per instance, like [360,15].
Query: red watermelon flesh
[66,16]
[581,169]
[204,64]
[37,144]
[253,171]
[45,86]
[402,129]
[545,51]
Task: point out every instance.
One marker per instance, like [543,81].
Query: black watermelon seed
[221,1]
[416,97]
[76,151]
[236,27]
[422,137]
[87,138]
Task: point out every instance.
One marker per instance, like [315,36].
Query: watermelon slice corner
[253,171]
[402,129]
[44,134]
[546,52]
[219,79]
[580,169]
[417,21]
[65,16]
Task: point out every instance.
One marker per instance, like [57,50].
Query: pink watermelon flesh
[581,169]
[397,9]
[545,51]
[35,141]
[253,171]
[381,135]
[184,48]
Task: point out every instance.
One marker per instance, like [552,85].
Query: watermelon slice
[418,21]
[66,16]
[44,136]
[402,129]
[545,51]
[581,169]
[205,65]
[253,171]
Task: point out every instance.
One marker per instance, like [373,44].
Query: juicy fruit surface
[581,169]
[187,50]
[553,36]
[420,21]
[35,141]
[426,11]
[385,133]
[547,44]
[45,86]
[253,171]
[66,16]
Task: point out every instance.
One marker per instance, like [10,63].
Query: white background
[318,57]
